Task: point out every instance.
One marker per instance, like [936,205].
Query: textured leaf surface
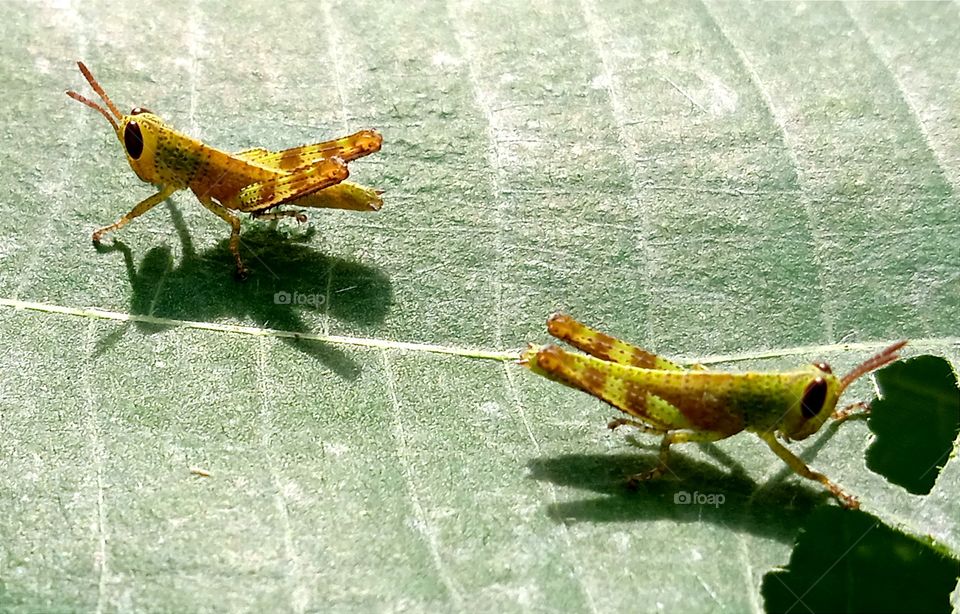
[756,183]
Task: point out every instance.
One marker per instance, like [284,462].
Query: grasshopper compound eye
[139,110]
[133,139]
[813,398]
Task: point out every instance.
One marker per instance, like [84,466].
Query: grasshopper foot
[853,410]
[640,426]
[113,246]
[241,273]
[848,501]
[274,215]
[633,482]
[617,423]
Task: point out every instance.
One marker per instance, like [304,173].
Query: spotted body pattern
[255,181]
[694,404]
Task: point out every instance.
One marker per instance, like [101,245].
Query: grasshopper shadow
[201,287]
[687,493]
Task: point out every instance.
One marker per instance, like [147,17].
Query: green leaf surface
[754,185]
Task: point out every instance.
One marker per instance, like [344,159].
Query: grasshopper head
[137,131]
[818,390]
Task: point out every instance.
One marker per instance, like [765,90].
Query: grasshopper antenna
[886,356]
[103,95]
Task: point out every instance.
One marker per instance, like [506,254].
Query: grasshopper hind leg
[670,438]
[603,346]
[234,222]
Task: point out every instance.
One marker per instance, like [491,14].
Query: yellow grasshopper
[695,404]
[254,181]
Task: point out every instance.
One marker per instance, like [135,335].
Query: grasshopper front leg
[800,467]
[141,208]
[854,409]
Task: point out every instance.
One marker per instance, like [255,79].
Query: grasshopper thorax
[131,134]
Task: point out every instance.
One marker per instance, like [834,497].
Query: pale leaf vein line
[493,154]
[102,314]
[615,98]
[938,155]
[333,45]
[751,590]
[96,446]
[922,343]
[194,40]
[578,568]
[425,528]
[299,590]
[816,232]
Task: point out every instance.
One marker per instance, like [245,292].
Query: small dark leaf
[916,422]
[851,562]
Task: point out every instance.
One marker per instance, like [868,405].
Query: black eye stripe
[813,398]
[133,140]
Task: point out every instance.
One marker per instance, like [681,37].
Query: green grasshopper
[254,181]
[694,404]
